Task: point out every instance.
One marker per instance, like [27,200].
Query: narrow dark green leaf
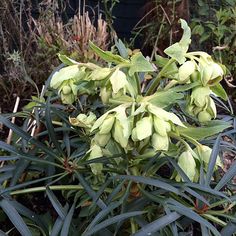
[26,136]
[229,229]
[8,158]
[7,168]
[111,221]
[207,189]
[179,170]
[158,224]
[50,128]
[183,210]
[205,230]
[21,166]
[18,186]
[89,190]
[212,161]
[14,217]
[100,216]
[29,214]
[58,223]
[56,204]
[196,195]
[28,157]
[5,176]
[2,233]
[149,181]
[67,222]
[231,172]
[115,191]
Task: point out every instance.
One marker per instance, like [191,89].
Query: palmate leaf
[158,224]
[15,218]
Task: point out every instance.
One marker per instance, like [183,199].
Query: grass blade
[158,224]
[26,136]
[56,204]
[102,214]
[149,181]
[14,217]
[183,210]
[229,229]
[50,128]
[67,221]
[231,172]
[111,221]
[90,191]
[212,162]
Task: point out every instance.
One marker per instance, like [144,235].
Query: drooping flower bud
[159,142]
[204,153]
[107,124]
[161,126]
[83,120]
[95,152]
[187,164]
[199,96]
[204,116]
[102,139]
[186,70]
[144,128]
[105,94]
[118,134]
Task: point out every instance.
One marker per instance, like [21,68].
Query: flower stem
[157,80]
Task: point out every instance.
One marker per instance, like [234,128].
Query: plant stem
[157,80]
[138,85]
[56,187]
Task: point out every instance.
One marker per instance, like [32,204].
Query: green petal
[118,80]
[144,128]
[160,143]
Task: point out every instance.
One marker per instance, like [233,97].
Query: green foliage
[118,154]
[213,25]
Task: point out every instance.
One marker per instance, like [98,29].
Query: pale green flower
[200,95]
[144,128]
[118,80]
[102,139]
[107,124]
[95,152]
[187,163]
[159,142]
[84,121]
[204,154]
[186,70]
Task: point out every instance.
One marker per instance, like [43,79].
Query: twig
[9,137]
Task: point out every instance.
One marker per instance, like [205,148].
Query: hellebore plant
[144,104]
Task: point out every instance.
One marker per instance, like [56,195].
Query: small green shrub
[133,149]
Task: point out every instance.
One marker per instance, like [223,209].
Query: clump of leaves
[213,25]
[125,148]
